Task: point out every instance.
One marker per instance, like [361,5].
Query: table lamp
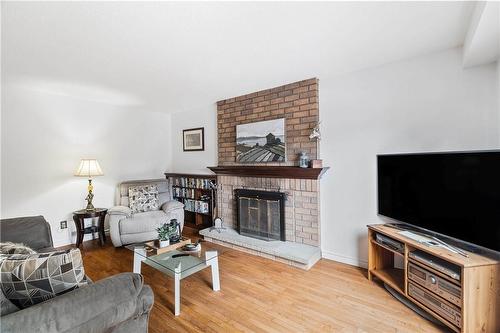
[89,168]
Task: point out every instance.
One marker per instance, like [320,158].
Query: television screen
[455,194]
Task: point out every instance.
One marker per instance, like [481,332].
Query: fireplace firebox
[260,214]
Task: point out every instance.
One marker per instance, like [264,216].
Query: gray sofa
[126,227]
[117,304]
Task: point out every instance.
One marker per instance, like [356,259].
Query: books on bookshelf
[180,192]
[197,206]
[192,182]
[198,194]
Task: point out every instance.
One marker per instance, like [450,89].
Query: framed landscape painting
[261,142]
[193,139]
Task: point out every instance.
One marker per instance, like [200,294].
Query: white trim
[344,259]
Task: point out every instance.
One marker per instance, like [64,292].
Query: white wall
[195,161]
[44,136]
[424,104]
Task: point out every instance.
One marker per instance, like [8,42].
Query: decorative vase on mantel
[303,160]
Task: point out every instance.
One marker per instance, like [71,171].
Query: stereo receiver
[435,283]
[445,310]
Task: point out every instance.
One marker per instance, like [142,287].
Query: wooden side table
[80,215]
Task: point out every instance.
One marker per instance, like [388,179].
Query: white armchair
[126,227]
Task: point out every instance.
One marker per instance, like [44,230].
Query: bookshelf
[198,194]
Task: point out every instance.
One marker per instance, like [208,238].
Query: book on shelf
[205,184]
[181,192]
[196,206]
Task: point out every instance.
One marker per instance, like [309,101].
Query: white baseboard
[61,243]
[70,241]
[344,259]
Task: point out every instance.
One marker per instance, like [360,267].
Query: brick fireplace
[297,103]
[301,204]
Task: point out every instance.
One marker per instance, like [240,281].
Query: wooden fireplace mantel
[291,172]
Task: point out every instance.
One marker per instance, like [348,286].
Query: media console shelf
[468,302]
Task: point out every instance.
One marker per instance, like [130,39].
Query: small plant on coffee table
[164,233]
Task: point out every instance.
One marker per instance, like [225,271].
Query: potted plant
[164,233]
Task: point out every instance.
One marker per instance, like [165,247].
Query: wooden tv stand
[479,302]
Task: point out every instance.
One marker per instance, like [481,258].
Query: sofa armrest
[177,214]
[120,210]
[113,217]
[95,308]
[172,205]
[113,221]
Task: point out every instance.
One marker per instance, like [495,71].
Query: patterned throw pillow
[7,248]
[28,279]
[143,198]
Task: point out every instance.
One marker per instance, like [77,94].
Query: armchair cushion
[162,185]
[169,206]
[143,198]
[120,210]
[28,279]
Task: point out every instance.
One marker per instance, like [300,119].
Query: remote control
[180,255]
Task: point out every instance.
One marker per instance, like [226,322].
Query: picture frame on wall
[261,141]
[193,139]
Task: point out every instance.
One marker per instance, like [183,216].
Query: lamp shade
[89,168]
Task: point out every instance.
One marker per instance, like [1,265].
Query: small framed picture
[193,139]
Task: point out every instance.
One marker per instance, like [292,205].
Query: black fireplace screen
[261,214]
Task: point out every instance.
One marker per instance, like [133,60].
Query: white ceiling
[173,57]
[482,42]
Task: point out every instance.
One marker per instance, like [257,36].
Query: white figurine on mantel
[315,133]
[316,136]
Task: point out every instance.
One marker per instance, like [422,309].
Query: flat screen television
[456,194]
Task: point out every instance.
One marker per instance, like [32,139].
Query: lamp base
[90,196]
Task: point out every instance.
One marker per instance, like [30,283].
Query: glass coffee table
[178,264]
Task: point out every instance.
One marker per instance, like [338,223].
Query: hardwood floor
[260,295]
